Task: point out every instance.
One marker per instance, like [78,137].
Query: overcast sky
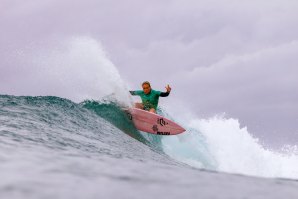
[219,56]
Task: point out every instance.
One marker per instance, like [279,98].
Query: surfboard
[153,123]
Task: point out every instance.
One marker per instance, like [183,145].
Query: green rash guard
[150,100]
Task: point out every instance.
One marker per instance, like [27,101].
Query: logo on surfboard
[163,133]
[155,128]
[161,121]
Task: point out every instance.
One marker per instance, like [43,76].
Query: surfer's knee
[139,105]
[152,110]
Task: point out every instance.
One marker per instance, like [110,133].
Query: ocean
[53,147]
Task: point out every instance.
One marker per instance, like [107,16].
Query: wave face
[55,123]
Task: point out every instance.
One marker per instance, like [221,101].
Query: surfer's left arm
[165,94]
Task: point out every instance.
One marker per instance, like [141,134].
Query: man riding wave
[149,97]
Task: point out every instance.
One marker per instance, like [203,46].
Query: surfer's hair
[146,82]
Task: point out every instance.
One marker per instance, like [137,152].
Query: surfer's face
[146,88]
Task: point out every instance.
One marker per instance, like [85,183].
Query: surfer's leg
[139,105]
[152,110]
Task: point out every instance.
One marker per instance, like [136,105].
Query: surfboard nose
[179,130]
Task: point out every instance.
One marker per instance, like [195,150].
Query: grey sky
[237,57]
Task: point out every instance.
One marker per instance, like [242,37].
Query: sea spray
[76,68]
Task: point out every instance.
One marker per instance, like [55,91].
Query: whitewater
[63,134]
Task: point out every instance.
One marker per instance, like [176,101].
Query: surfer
[149,97]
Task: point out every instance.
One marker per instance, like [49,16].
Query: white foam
[232,149]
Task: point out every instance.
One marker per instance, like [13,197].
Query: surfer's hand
[168,88]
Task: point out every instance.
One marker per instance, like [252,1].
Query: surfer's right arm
[132,92]
[135,92]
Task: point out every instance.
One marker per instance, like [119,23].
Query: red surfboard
[153,123]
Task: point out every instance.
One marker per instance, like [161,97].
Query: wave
[216,144]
